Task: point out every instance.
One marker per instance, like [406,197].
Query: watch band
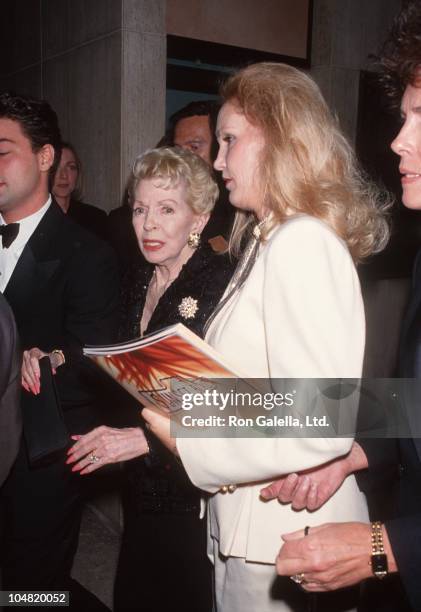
[378,559]
[57,354]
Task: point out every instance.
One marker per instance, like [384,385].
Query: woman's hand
[332,556]
[31,370]
[312,488]
[105,445]
[308,489]
[159,425]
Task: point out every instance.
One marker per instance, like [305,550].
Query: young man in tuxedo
[62,285]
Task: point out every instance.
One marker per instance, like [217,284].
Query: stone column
[101,64]
[345,32]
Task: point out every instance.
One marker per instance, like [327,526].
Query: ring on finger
[298,578]
[93,458]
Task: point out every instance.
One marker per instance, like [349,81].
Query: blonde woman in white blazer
[293,310]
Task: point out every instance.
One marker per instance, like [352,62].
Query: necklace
[242,270]
[153,295]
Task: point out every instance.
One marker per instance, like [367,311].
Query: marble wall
[345,33]
[101,65]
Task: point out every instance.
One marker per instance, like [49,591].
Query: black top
[123,238]
[404,457]
[90,217]
[158,482]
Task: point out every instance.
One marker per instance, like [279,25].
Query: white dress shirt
[10,257]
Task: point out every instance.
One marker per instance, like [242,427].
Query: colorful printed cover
[159,368]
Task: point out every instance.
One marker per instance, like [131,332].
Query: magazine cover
[159,368]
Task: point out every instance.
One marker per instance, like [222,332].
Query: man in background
[191,127]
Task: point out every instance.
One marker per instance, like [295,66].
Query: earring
[193,240]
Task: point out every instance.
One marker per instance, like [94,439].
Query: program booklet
[161,367]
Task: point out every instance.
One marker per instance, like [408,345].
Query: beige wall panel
[323,77]
[69,23]
[26,81]
[323,22]
[344,98]
[276,26]
[359,30]
[143,95]
[144,16]
[57,91]
[84,87]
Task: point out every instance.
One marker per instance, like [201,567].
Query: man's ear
[200,222]
[46,157]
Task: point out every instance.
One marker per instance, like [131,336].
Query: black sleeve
[92,301]
[405,538]
[10,410]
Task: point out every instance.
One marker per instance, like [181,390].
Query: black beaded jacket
[158,482]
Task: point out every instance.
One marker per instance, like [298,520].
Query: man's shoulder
[69,238]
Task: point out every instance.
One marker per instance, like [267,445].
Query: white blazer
[299,315]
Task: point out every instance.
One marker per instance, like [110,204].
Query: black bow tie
[9,233]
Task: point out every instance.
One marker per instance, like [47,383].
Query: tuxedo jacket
[10,414]
[64,294]
[299,314]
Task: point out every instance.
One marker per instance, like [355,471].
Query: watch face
[379,564]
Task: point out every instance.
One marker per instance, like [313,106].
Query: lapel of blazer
[38,261]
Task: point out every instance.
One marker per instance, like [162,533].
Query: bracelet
[60,354]
[378,559]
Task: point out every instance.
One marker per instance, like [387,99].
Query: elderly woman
[164,539]
[67,191]
[292,310]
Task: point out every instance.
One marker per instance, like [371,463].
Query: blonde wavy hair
[307,165]
[170,166]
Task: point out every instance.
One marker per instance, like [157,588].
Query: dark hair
[197,108]
[37,120]
[400,56]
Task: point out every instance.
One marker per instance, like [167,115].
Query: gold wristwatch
[378,559]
